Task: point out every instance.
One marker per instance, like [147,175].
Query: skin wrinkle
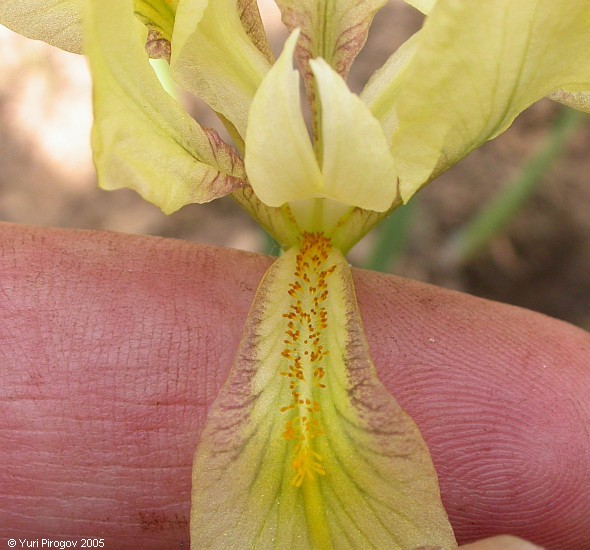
[104,431]
[532,422]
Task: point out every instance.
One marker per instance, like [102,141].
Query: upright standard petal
[357,166]
[279,159]
[478,65]
[141,137]
[304,447]
[335,30]
[57,22]
[214,57]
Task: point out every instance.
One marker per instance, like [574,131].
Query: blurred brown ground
[542,261]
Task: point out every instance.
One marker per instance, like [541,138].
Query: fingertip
[503,542]
[502,397]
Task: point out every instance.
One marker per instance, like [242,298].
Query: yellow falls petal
[142,138]
[279,159]
[57,22]
[357,166]
[477,66]
[304,447]
[214,57]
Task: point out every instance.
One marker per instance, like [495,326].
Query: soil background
[541,261]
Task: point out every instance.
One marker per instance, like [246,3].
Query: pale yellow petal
[214,57]
[304,447]
[249,14]
[280,161]
[576,100]
[380,92]
[335,30]
[57,22]
[477,66]
[158,15]
[142,138]
[357,166]
[425,6]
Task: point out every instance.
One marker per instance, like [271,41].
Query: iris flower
[304,447]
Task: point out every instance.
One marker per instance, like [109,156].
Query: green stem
[162,70]
[476,234]
[391,238]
